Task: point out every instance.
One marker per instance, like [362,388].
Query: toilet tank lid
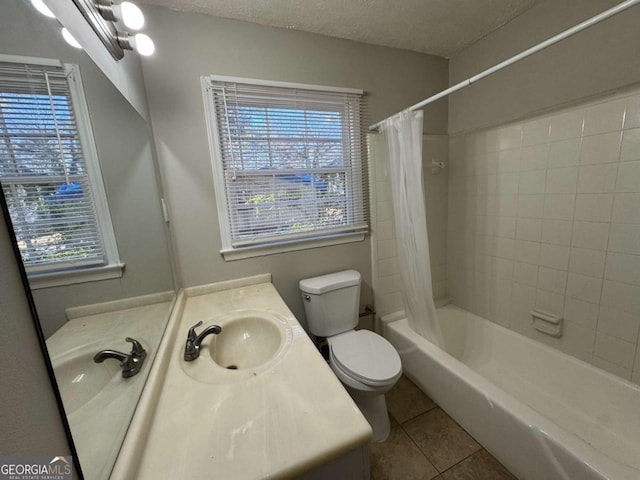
[330,282]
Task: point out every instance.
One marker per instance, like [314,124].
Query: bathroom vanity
[258,402]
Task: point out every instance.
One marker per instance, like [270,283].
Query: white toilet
[366,363]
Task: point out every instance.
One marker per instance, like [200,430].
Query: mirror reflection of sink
[251,342]
[80,378]
[246,343]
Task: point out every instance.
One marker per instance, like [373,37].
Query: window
[50,173]
[288,164]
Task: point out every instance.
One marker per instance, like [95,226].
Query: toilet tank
[331,302]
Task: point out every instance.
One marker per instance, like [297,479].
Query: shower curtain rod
[516,58]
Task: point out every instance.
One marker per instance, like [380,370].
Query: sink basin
[246,343]
[251,342]
[80,379]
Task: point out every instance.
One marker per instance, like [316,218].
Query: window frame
[40,276]
[314,240]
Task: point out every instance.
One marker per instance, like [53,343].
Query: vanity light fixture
[139,42]
[127,12]
[42,8]
[70,39]
[111,20]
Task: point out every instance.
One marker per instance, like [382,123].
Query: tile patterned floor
[425,443]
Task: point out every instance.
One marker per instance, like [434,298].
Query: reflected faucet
[192,347]
[131,364]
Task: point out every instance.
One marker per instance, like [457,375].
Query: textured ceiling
[438,27]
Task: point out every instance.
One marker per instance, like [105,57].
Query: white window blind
[43,170]
[291,161]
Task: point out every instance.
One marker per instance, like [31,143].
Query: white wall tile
[386,249]
[536,132]
[527,252]
[532,182]
[618,323]
[529,229]
[559,206]
[509,137]
[604,148]
[628,177]
[552,280]
[506,227]
[566,125]
[626,208]
[504,248]
[594,207]
[389,283]
[556,232]
[597,178]
[530,206]
[587,262]
[624,238]
[604,117]
[507,183]
[550,302]
[562,180]
[584,288]
[623,268]
[525,273]
[581,313]
[507,205]
[509,161]
[611,367]
[385,230]
[554,256]
[632,115]
[563,154]
[622,296]
[630,145]
[614,350]
[577,341]
[535,158]
[590,235]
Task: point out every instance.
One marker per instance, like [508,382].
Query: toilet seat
[366,356]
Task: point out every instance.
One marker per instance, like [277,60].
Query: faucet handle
[136,348]
[192,331]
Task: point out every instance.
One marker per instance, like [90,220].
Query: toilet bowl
[366,363]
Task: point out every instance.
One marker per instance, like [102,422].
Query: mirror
[84,308]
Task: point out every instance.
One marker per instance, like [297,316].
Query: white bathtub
[544,414]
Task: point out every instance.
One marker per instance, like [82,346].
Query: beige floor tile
[406,401]
[479,466]
[440,438]
[398,458]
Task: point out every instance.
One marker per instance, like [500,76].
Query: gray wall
[30,421]
[191,45]
[127,163]
[602,58]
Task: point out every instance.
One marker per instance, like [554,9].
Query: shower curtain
[403,137]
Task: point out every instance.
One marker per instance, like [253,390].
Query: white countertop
[279,421]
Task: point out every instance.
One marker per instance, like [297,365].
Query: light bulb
[69,39]
[130,15]
[42,8]
[143,44]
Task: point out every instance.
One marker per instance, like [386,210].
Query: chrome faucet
[131,364]
[192,347]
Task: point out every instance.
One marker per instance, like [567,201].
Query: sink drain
[232,367]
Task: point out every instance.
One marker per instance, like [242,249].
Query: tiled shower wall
[387,283]
[546,213]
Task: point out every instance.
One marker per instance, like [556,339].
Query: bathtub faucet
[192,347]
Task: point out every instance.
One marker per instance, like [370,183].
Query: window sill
[71,277]
[262,250]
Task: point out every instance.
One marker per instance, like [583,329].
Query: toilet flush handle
[306,297]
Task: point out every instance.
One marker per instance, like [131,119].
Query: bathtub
[544,414]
